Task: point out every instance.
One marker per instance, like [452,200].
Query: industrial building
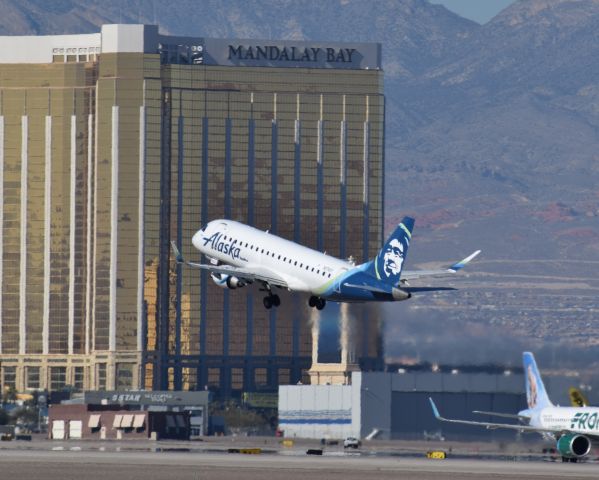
[114,143]
[395,405]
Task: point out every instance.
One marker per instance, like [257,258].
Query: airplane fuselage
[304,269]
[583,420]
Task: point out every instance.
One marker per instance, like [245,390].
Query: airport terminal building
[114,143]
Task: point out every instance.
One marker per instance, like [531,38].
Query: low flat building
[104,422]
[194,403]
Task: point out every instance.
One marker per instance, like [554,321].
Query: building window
[214,377]
[33,378]
[101,376]
[260,377]
[79,378]
[237,378]
[9,378]
[284,376]
[124,376]
[189,378]
[58,378]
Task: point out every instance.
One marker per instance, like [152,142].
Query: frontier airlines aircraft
[240,255]
[574,428]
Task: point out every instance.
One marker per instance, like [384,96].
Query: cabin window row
[280,257]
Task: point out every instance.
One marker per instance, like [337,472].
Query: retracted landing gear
[317,302]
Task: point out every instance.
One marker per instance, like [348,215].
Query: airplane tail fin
[388,263]
[577,399]
[536,395]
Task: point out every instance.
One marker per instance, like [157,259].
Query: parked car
[351,442]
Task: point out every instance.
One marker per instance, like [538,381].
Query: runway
[112,465]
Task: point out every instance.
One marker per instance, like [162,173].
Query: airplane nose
[195,240]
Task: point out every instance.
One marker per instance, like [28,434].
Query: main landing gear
[271,300]
[317,302]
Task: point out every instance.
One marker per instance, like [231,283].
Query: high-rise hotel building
[112,144]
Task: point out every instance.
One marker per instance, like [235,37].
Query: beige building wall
[59,153]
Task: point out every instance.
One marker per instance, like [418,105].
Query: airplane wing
[493,426]
[260,275]
[453,269]
[503,415]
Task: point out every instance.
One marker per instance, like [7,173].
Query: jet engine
[227,281]
[573,445]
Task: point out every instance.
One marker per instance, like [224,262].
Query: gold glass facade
[104,160]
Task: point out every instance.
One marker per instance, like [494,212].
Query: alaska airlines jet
[574,428]
[240,255]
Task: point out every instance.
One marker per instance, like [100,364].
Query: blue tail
[536,395]
[388,264]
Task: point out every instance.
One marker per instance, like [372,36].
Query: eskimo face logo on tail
[389,261]
[393,257]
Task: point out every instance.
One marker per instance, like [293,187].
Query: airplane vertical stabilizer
[536,395]
[388,263]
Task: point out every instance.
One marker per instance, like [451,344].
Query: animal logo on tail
[536,395]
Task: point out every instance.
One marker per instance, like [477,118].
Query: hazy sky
[480,11]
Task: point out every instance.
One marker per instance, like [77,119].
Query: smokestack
[332,329]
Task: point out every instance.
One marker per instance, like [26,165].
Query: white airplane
[240,255]
[575,429]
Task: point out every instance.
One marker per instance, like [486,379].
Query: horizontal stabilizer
[415,274]
[427,289]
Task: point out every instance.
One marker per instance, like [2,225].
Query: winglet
[462,263]
[178,256]
[435,410]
